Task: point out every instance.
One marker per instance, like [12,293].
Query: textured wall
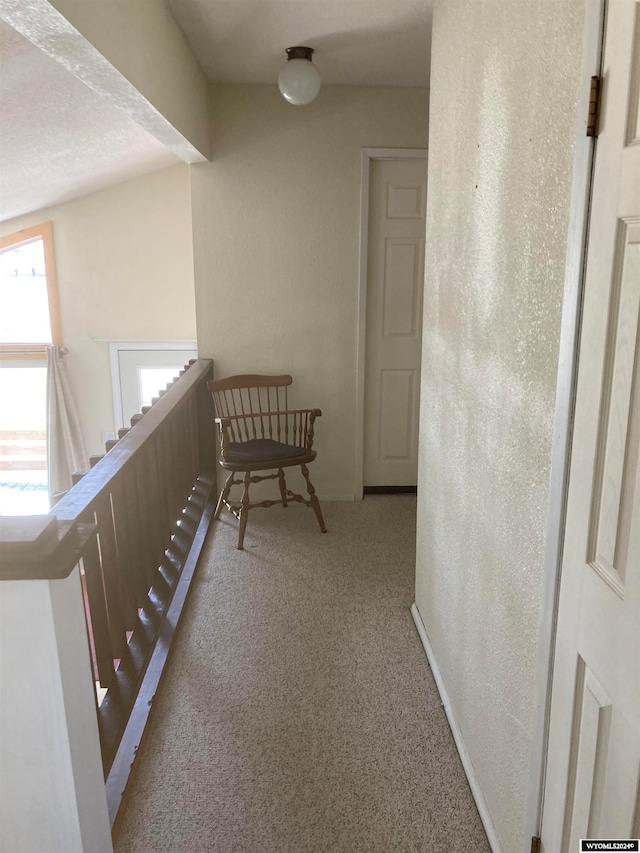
[125,272]
[502,115]
[276,244]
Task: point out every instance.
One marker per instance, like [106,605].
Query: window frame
[36,350]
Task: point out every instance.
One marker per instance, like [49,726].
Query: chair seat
[262,450]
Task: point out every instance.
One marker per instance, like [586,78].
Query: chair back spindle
[256,406]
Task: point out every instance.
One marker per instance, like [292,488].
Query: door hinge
[594,106]
[536,844]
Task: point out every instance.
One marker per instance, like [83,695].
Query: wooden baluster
[180,541]
[190,444]
[206,429]
[136,526]
[200,461]
[176,452]
[119,602]
[176,469]
[183,451]
[96,607]
[144,538]
[151,482]
[160,450]
[165,448]
[192,438]
[172,473]
[125,538]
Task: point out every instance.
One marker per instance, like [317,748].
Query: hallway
[299,712]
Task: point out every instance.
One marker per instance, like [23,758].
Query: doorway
[140,369]
[393,208]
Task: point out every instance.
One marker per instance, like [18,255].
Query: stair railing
[131,529]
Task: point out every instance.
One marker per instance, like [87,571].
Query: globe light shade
[299,80]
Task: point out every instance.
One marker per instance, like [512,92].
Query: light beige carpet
[299,712]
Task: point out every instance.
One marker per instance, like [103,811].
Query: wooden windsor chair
[258,432]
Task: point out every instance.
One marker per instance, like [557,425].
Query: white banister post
[52,794]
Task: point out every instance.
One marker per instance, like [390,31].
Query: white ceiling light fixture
[299,80]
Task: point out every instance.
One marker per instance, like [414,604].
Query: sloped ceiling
[60,139]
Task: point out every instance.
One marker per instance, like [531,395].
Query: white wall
[503,95]
[276,228]
[52,794]
[145,44]
[125,272]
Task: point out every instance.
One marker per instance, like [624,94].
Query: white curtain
[65,449]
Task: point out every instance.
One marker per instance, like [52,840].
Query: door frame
[114,349]
[580,201]
[367,155]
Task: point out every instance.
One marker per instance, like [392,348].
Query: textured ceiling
[58,139]
[357,42]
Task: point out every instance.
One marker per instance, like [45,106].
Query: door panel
[395,282]
[591,788]
[401,283]
[396,416]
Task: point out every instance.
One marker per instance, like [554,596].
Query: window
[29,321]
[29,316]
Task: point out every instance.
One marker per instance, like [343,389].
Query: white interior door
[592,782]
[395,283]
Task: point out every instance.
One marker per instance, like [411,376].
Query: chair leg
[224,494]
[244,510]
[315,503]
[283,487]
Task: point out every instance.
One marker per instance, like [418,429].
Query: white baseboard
[481,805]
